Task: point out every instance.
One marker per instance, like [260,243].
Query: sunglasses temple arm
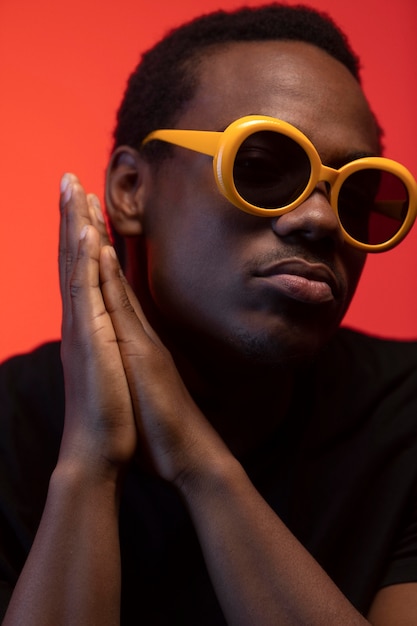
[203,141]
[391,208]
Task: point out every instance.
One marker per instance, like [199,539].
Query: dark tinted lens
[373,205]
[270,170]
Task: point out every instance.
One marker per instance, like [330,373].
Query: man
[227,455]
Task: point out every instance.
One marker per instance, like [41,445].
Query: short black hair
[166,78]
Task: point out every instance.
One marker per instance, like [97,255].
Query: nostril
[314,219]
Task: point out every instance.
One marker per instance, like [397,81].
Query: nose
[314,219]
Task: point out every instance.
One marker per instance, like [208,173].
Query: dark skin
[197,279]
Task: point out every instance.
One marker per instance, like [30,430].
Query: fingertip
[111,252]
[84,231]
[109,267]
[95,203]
[66,186]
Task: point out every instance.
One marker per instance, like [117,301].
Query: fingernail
[83,232]
[97,207]
[66,187]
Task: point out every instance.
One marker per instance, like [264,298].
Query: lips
[312,283]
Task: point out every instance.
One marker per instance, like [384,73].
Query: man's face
[270,289]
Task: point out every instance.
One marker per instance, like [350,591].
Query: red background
[63,68]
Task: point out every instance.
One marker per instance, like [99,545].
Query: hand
[121,383]
[174,435]
[100,430]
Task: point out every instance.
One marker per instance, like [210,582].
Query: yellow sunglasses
[267,167]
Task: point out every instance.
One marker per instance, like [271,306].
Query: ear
[127,178]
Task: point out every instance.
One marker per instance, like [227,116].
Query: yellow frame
[223,147]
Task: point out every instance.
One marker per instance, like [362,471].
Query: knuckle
[126,304]
[121,304]
[66,259]
[75,287]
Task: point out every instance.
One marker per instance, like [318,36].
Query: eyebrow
[337,163]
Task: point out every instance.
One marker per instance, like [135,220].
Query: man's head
[244,285]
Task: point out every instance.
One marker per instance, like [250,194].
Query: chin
[265,342]
[294,347]
[294,335]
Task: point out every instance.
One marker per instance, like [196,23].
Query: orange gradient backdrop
[63,67]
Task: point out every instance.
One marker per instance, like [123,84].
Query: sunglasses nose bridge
[327,175]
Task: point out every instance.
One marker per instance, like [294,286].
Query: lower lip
[300,288]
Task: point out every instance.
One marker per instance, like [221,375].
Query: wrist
[91,458]
[84,481]
[212,475]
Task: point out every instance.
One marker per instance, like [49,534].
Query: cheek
[188,266]
[190,233]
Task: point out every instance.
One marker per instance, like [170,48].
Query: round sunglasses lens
[271,170]
[373,205]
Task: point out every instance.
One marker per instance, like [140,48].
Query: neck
[244,402]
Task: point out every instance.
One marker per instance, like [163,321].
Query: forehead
[294,81]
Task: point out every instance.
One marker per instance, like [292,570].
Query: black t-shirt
[341,471]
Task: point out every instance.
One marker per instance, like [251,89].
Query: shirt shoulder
[359,347]
[32,380]
[358,372]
